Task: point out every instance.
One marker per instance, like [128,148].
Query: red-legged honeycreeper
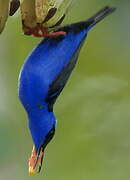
[43,77]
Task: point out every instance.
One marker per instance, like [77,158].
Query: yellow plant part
[4,13]
[50,12]
[28,13]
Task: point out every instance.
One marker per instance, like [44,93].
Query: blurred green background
[92,140]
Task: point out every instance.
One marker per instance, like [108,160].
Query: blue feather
[46,71]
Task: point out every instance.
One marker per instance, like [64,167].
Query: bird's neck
[40,122]
[41,116]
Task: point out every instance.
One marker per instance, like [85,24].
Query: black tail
[101,15]
[77,27]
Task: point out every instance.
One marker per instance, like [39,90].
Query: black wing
[58,84]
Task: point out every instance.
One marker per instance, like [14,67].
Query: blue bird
[43,77]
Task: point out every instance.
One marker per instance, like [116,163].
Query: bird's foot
[55,34]
[40,31]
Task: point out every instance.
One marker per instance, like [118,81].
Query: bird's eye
[49,137]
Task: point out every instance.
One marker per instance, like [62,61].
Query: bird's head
[42,134]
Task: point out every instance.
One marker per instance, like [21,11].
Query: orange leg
[52,34]
[40,31]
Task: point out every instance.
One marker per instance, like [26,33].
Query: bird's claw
[40,31]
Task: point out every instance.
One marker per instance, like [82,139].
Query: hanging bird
[43,77]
